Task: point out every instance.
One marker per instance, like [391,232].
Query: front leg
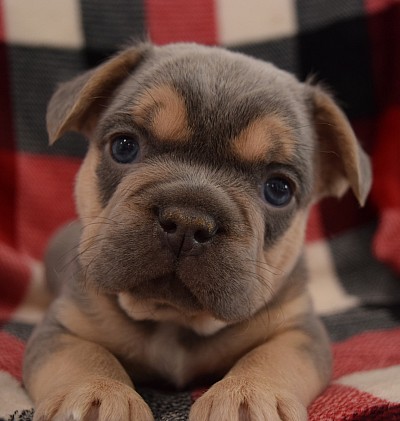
[275,381]
[72,379]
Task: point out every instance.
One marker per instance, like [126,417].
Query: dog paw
[243,399]
[98,400]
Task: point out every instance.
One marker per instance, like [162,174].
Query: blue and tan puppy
[193,201]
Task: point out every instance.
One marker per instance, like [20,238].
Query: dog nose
[186,230]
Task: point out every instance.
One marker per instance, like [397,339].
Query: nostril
[168,226]
[166,222]
[204,235]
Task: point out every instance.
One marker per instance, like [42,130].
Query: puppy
[193,201]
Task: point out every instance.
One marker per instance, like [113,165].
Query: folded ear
[76,104]
[342,163]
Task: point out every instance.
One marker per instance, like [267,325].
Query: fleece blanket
[353,254]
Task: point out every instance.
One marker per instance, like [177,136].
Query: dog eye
[124,149]
[278,191]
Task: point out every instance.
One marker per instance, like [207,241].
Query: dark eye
[277,191]
[124,149]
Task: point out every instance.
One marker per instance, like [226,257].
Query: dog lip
[168,290]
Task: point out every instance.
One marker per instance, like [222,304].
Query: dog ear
[76,104]
[341,160]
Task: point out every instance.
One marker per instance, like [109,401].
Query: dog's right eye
[124,149]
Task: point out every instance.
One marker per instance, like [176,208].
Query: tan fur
[290,375]
[87,199]
[162,111]
[285,253]
[341,159]
[266,135]
[201,323]
[80,390]
[153,348]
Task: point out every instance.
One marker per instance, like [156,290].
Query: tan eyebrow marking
[265,135]
[163,112]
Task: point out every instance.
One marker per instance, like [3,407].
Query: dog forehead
[217,84]
[190,93]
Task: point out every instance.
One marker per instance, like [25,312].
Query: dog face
[202,166]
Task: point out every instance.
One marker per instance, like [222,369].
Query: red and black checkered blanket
[353,254]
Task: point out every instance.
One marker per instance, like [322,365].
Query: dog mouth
[168,292]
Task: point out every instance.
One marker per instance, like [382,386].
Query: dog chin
[202,323]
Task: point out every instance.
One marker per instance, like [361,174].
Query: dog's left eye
[124,149]
[277,191]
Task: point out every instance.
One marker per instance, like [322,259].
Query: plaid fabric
[354,254]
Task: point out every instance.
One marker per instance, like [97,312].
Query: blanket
[353,254]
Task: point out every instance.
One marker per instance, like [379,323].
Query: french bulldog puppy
[187,261]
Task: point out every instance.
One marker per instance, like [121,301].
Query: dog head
[202,166]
